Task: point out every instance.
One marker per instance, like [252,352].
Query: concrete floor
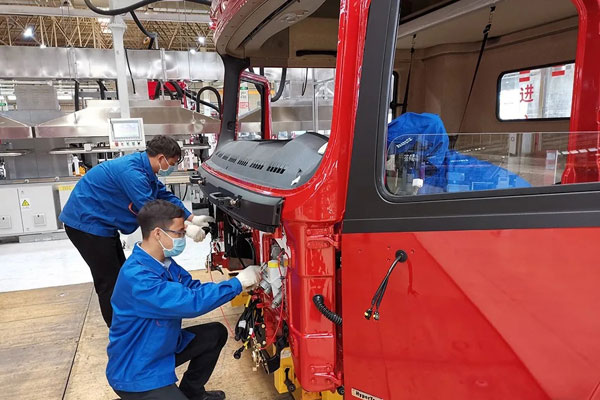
[53,346]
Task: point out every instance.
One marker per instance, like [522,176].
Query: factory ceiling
[46,23]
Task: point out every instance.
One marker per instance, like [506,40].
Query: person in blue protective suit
[105,201]
[151,296]
[418,151]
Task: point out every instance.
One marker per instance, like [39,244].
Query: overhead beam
[200,18]
[442,15]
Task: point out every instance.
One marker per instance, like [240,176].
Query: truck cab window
[250,112]
[501,128]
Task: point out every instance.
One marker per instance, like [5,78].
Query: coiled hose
[330,315]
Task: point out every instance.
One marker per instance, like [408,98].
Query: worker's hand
[249,277]
[202,220]
[194,232]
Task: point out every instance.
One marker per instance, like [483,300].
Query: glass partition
[419,164]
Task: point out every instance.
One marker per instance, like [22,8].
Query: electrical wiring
[401,257]
[231,331]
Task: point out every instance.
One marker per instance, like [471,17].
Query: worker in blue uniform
[106,200]
[419,147]
[151,296]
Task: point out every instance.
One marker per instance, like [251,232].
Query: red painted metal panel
[315,207]
[585,114]
[489,316]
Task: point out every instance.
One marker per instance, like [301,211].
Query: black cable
[486,32]
[102,89]
[237,240]
[178,89]
[327,313]
[214,91]
[130,74]
[168,91]
[194,96]
[251,248]
[281,86]
[305,84]
[151,35]
[76,95]
[134,6]
[401,257]
[157,89]
[217,95]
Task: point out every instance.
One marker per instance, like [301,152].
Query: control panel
[127,134]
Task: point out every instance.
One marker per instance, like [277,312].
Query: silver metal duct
[160,118]
[288,118]
[11,129]
[75,63]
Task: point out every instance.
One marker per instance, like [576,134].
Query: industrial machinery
[43,154]
[474,289]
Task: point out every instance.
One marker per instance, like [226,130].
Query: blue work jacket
[149,301]
[99,203]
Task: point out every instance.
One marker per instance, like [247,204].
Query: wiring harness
[373,311]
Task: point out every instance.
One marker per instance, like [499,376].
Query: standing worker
[153,293]
[106,201]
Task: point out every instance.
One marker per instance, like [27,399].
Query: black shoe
[211,395]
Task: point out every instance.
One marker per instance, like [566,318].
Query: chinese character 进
[527,94]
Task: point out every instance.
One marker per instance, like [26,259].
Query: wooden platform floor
[53,346]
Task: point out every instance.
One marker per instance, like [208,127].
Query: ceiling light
[28,32]
[103,20]
[201,39]
[42,46]
[192,51]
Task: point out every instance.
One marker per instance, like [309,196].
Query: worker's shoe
[211,395]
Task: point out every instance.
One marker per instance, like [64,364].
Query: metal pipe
[117,26]
[442,15]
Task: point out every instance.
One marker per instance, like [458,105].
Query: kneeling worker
[151,296]
[105,202]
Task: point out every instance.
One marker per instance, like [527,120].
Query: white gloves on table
[249,277]
[194,232]
[202,220]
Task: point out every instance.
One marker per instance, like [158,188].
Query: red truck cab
[463,266]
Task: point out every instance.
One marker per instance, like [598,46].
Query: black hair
[163,145]
[157,214]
